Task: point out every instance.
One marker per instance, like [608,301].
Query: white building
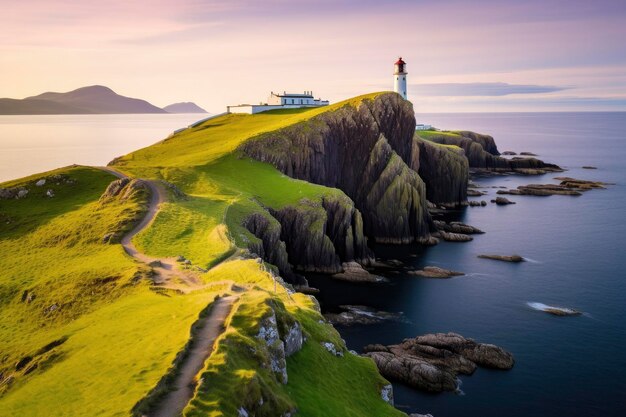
[399,78]
[278,101]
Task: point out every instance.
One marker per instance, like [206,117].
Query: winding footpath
[167,269]
[208,328]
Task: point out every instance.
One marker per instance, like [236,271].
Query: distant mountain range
[95,99]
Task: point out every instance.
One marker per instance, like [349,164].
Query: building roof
[295,95]
[400,62]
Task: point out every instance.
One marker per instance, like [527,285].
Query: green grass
[220,136]
[118,336]
[319,383]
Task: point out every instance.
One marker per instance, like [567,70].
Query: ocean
[565,366]
[33,144]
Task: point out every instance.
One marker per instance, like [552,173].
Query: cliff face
[362,151]
[313,236]
[269,246]
[482,152]
[445,172]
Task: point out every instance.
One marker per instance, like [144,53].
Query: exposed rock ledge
[457,227]
[568,186]
[482,154]
[432,362]
[353,272]
[436,272]
[361,315]
[504,258]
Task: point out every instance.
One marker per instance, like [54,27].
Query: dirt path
[209,327]
[167,270]
[184,386]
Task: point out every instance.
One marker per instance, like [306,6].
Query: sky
[462,56]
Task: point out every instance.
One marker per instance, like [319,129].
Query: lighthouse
[399,77]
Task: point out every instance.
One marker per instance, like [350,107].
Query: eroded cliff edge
[366,151]
[482,153]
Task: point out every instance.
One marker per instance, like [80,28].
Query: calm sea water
[565,366]
[32,144]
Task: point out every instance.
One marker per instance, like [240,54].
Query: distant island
[94,99]
[185,107]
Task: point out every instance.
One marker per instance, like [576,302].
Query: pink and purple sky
[482,55]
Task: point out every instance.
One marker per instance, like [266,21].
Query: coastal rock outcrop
[457,227]
[282,339]
[313,236]
[355,314]
[354,272]
[269,246]
[445,171]
[436,272]
[504,258]
[568,186]
[453,237]
[433,361]
[482,153]
[501,201]
[362,151]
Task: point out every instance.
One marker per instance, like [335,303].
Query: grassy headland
[84,332]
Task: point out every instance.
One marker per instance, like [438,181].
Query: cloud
[480,89]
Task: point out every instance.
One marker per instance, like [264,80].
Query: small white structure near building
[421,126]
[278,101]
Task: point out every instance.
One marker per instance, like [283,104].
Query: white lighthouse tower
[399,78]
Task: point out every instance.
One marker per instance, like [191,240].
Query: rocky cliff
[445,171]
[312,236]
[365,150]
[482,152]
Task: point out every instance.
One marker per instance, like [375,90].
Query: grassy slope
[56,253]
[122,340]
[223,189]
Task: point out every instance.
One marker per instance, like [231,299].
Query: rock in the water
[562,312]
[475,193]
[453,237]
[568,186]
[580,184]
[501,201]
[505,258]
[554,310]
[482,154]
[509,153]
[436,272]
[354,272]
[528,154]
[541,190]
[432,362]
[355,314]
[457,227]
[413,371]
[589,167]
